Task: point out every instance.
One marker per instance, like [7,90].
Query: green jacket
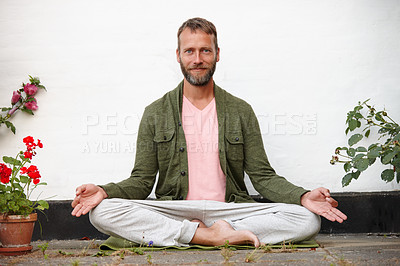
[161,147]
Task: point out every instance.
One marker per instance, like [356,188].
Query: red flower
[5,173]
[34,175]
[24,170]
[28,139]
[28,155]
[32,168]
[36,181]
[40,145]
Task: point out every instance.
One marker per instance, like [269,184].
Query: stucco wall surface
[301,65]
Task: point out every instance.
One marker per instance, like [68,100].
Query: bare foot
[220,232]
[201,224]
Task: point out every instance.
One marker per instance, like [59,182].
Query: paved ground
[359,249]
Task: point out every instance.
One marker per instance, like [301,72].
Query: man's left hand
[319,201]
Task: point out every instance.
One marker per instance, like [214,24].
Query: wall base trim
[368,212]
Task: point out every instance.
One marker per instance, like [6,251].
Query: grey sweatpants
[169,222]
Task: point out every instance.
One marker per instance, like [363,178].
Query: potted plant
[366,118]
[18,179]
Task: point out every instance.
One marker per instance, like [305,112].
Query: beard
[199,80]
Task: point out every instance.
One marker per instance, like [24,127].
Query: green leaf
[351,152]
[11,161]
[387,175]
[373,145]
[396,163]
[352,124]
[361,164]
[397,137]
[379,117]
[27,111]
[358,108]
[22,157]
[367,133]
[388,157]
[354,139]
[30,99]
[358,157]
[6,109]
[374,152]
[42,87]
[371,161]
[347,179]
[347,166]
[358,115]
[356,174]
[10,125]
[18,186]
[383,130]
[24,179]
[361,149]
[43,204]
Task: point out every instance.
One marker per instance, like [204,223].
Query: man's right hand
[87,197]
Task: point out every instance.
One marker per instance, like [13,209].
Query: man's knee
[312,225]
[95,216]
[100,215]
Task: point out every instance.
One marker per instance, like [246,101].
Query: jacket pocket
[164,141]
[234,146]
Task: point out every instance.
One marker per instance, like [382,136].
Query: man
[200,140]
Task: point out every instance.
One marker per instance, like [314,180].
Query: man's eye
[188,51]
[207,51]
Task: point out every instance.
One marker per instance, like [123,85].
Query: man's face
[197,56]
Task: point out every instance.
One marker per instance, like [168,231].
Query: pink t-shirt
[206,179]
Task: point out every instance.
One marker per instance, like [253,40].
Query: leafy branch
[365,117]
[23,99]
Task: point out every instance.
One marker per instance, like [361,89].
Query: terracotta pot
[16,233]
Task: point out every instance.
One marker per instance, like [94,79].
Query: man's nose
[197,59]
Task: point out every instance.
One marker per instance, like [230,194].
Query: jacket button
[183,173]
[180,198]
[179,123]
[181,149]
[237,139]
[165,137]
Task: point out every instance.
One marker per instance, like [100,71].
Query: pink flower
[30,89]
[16,97]
[32,105]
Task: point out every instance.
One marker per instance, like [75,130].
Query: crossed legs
[203,222]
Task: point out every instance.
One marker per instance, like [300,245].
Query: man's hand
[319,201]
[87,197]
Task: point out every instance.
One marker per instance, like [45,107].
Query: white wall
[301,64]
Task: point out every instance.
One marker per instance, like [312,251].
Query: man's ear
[218,54]
[177,56]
